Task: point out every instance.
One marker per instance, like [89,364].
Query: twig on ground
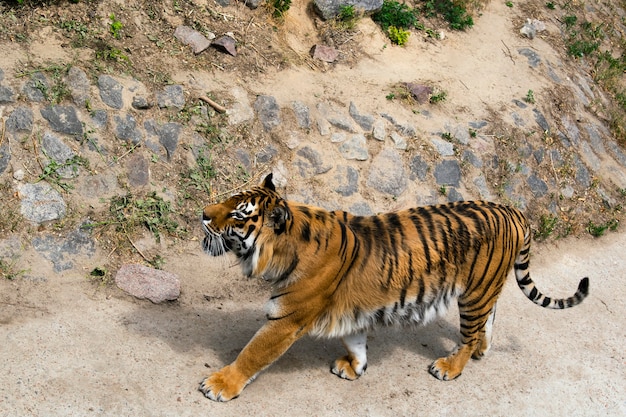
[218,108]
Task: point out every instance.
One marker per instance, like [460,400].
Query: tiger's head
[243,222]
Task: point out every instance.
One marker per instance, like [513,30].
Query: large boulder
[329,9]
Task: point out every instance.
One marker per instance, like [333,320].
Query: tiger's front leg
[354,363]
[267,345]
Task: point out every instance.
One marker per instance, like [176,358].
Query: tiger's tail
[529,288]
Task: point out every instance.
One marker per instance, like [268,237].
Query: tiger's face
[236,224]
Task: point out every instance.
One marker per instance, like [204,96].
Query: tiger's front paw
[444,370]
[223,385]
[348,368]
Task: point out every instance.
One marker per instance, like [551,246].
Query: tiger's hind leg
[485,336]
[354,363]
[476,328]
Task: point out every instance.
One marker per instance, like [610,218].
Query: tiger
[337,275]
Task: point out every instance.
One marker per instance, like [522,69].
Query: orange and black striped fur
[338,275]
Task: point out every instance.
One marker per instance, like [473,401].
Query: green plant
[200,176]
[443,190]
[115,26]
[530,97]
[546,226]
[398,36]
[280,7]
[393,13]
[509,4]
[452,11]
[550,5]
[597,230]
[447,136]
[128,212]
[473,133]
[347,17]
[570,20]
[438,98]
[8,269]
[51,172]
[390,96]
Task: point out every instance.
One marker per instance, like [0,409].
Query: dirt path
[71,350]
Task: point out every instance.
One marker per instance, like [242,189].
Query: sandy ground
[72,350]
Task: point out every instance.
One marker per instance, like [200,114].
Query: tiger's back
[338,275]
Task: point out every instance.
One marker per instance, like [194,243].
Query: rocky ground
[114,136]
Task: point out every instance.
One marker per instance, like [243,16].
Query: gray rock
[617,153]
[520,104]
[268,111]
[537,186]
[100,118]
[387,173]
[588,156]
[329,9]
[483,190]
[266,154]
[110,91]
[518,120]
[36,89]
[478,124]
[355,148]
[595,137]
[361,209]
[40,202]
[541,120]
[419,168]
[172,96]
[141,103]
[196,40]
[323,126]
[472,158]
[20,121]
[533,58]
[137,170]
[366,121]
[241,111]
[336,117]
[338,137]
[404,128]
[572,131]
[169,134]
[379,131]
[60,153]
[6,95]
[5,157]
[444,148]
[459,132]
[454,195]
[148,283]
[79,86]
[302,114]
[61,251]
[63,119]
[311,163]
[348,180]
[448,172]
[582,176]
[126,129]
[399,141]
[252,4]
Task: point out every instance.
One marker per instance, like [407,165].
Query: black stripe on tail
[531,291]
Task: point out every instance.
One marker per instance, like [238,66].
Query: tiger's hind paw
[348,368]
[442,370]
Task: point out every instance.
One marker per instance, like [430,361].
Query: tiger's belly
[359,320]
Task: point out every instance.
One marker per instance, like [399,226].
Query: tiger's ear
[267,182]
[277,219]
